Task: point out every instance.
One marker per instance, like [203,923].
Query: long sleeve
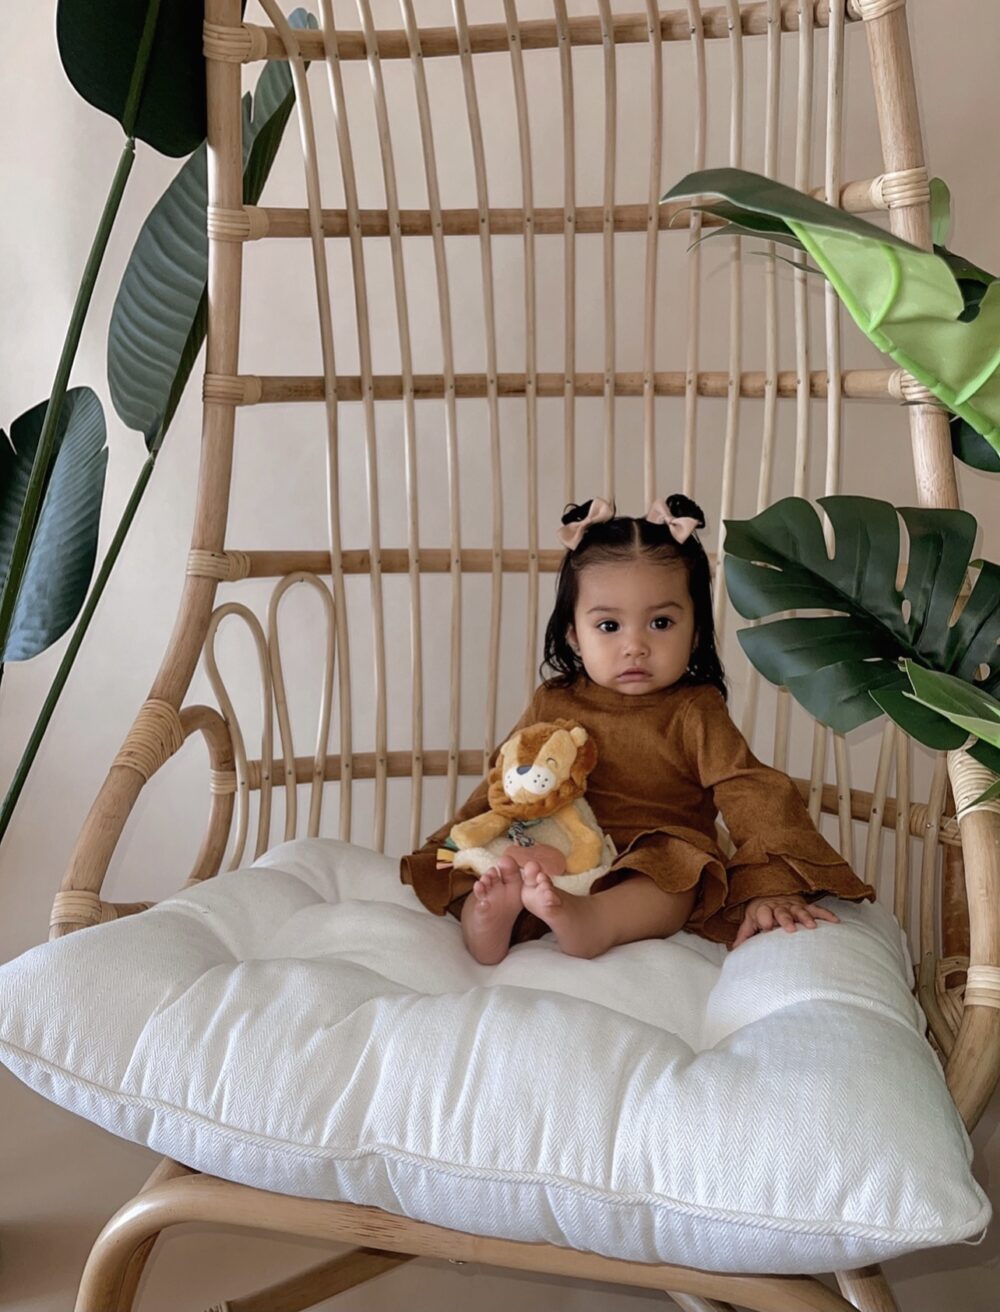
[778,848]
[437,889]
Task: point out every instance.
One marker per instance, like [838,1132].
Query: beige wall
[58,155]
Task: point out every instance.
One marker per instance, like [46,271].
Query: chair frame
[964,1019]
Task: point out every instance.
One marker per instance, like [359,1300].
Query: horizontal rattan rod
[275,221]
[856,384]
[396,560]
[534,34]
[400,765]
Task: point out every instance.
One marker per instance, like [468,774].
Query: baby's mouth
[635,673]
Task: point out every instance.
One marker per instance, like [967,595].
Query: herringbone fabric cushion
[305,1026]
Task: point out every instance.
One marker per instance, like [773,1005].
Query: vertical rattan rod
[493,408]
[326,701]
[877,810]
[530,345]
[225,272]
[831,484]
[608,239]
[735,312]
[451,422]
[768,426]
[834,137]
[307,135]
[803,164]
[930,865]
[569,249]
[694,256]
[652,251]
[899,127]
[346,155]
[901,888]
[409,410]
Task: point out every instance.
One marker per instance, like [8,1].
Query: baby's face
[634,625]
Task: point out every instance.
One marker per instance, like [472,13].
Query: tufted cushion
[305,1026]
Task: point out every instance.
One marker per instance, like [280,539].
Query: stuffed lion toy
[537,810]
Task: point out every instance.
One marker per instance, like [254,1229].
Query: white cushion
[304,1025]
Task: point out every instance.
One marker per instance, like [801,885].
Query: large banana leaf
[61,557]
[845,667]
[907,301]
[98,46]
[159,316]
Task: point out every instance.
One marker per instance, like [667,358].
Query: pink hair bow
[570,534]
[681,526]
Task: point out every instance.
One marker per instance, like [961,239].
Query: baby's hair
[624,538]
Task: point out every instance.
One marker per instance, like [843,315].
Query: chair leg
[305,1290]
[125,1281]
[867,1288]
[694,1303]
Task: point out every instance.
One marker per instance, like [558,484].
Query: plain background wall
[60,1177]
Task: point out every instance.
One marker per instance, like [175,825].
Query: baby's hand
[764,913]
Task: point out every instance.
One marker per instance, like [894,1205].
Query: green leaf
[962,703]
[921,723]
[940,212]
[907,301]
[159,317]
[61,558]
[991,794]
[98,50]
[972,448]
[842,667]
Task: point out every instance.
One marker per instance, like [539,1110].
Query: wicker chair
[621,60]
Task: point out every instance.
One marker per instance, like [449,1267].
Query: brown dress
[668,762]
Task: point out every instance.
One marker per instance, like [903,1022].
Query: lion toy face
[542,768]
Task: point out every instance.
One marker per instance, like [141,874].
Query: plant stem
[44,453]
[79,633]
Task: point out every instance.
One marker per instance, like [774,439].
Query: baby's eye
[663,622]
[608,626]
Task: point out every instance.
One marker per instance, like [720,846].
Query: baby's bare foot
[578,931]
[490,911]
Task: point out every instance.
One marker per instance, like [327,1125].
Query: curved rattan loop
[156,729]
[281,704]
[242,788]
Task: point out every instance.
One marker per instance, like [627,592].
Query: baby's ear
[571,638]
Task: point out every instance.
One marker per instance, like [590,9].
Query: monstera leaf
[159,317]
[61,558]
[844,668]
[909,302]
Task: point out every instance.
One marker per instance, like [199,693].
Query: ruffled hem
[796,861]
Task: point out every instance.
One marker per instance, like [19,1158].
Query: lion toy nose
[523,769]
